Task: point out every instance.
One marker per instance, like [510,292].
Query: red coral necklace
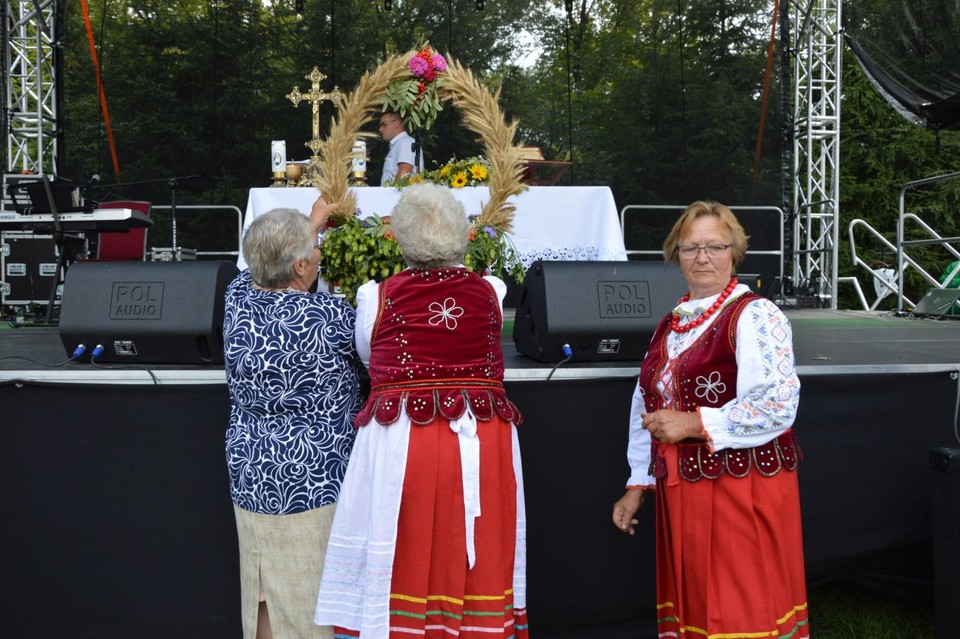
[675,322]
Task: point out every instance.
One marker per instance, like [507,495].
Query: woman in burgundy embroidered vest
[429,535]
[710,433]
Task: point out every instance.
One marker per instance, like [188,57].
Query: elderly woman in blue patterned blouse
[291,370]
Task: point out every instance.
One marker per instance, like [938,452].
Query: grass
[840,610]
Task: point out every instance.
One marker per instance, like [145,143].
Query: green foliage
[358,251]
[880,153]
[490,249]
[364,249]
[420,110]
[198,88]
[417,99]
[665,105]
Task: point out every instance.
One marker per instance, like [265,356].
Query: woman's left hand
[672,426]
[320,213]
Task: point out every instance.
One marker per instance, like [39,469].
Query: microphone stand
[172,183]
[60,241]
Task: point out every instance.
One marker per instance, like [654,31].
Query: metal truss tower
[818,61]
[32,63]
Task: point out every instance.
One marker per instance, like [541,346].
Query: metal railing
[887,281]
[645,209]
[934,240]
[215,208]
[882,281]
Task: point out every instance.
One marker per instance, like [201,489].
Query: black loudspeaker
[945,463]
[605,311]
[939,301]
[146,312]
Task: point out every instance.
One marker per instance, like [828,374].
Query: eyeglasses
[692,250]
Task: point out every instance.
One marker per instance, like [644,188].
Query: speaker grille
[605,311]
[146,312]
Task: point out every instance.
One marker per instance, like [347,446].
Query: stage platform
[826,342]
[120,522]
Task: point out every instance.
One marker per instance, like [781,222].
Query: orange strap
[103,95]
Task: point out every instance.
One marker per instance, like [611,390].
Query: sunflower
[478,171]
[445,170]
[459,180]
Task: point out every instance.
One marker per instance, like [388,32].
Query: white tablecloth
[551,222]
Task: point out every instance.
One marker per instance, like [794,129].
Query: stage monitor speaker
[939,301]
[945,508]
[146,312]
[605,311]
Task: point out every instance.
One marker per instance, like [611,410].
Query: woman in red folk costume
[429,535]
[710,432]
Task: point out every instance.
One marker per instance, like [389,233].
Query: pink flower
[430,75]
[439,63]
[418,66]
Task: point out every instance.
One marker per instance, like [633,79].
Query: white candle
[360,162]
[278,156]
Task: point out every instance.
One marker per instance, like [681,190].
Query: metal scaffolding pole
[31,64]
[818,61]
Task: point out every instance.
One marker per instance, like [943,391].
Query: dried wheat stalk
[481,114]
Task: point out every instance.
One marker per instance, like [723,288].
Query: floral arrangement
[416,98]
[363,249]
[491,250]
[357,250]
[474,171]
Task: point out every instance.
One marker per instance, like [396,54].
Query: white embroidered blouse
[768,389]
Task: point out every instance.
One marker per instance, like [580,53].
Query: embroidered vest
[705,374]
[435,349]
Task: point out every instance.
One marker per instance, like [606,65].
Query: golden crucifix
[315,97]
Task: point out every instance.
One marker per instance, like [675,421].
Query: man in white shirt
[401,158]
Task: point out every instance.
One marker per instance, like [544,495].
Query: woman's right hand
[625,509]
[320,213]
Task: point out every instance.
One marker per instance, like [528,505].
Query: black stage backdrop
[119,521]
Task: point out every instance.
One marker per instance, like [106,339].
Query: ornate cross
[315,97]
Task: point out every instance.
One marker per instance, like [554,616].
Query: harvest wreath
[357,250]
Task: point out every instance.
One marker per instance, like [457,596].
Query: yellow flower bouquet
[473,171]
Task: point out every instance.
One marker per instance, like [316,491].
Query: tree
[881,151]
[665,105]
[198,88]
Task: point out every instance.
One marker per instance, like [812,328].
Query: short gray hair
[431,226]
[274,241]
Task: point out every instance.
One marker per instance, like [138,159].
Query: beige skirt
[281,560]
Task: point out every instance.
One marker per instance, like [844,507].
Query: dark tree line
[660,101]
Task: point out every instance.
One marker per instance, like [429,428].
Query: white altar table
[551,222]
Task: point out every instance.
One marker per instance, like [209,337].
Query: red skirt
[730,557]
[434,593]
